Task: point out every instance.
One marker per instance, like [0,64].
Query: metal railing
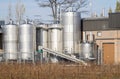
[71,58]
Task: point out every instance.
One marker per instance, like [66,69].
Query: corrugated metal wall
[95,24]
[114,20]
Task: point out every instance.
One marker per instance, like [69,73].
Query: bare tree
[110,10]
[117,9]
[56,5]
[20,10]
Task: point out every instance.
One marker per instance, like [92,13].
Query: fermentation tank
[88,51]
[71,32]
[55,37]
[10,41]
[42,37]
[91,37]
[26,41]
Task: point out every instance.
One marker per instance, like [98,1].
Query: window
[99,34]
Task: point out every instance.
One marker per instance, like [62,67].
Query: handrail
[65,56]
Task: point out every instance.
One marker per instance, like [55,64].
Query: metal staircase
[65,56]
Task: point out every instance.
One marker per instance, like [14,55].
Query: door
[108,53]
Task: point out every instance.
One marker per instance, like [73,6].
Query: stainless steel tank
[10,41]
[71,32]
[88,51]
[42,37]
[91,37]
[26,41]
[55,37]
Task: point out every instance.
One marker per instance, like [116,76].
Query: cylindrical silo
[91,37]
[26,41]
[71,32]
[10,41]
[55,37]
[42,37]
[88,51]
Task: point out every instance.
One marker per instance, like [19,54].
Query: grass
[58,71]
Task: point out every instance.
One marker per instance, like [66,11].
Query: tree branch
[64,5]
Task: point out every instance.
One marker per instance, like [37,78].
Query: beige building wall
[108,36]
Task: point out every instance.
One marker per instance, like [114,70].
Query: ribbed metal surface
[26,41]
[10,41]
[88,51]
[95,24]
[71,31]
[55,37]
[114,20]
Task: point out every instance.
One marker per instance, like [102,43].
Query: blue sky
[32,8]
